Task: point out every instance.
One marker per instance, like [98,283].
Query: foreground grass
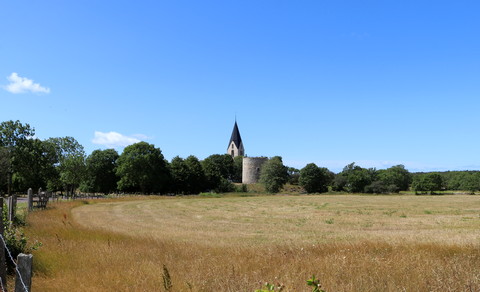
[352,243]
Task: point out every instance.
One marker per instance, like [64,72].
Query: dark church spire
[235,146]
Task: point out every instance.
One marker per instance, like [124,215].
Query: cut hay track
[352,243]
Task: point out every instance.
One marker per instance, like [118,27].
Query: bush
[380,187]
[241,188]
[15,239]
[224,186]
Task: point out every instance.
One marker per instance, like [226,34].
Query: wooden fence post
[3,265]
[24,264]
[30,200]
[14,204]
[11,208]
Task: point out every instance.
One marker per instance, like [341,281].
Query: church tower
[235,146]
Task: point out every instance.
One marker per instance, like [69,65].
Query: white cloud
[21,85]
[114,139]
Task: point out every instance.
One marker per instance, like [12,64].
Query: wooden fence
[23,264]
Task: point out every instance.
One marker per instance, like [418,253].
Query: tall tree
[142,167]
[40,168]
[13,138]
[4,167]
[274,174]
[354,178]
[197,175]
[101,171]
[293,175]
[428,182]
[219,171]
[180,176]
[237,169]
[314,179]
[396,176]
[71,163]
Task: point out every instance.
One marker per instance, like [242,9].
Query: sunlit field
[350,242]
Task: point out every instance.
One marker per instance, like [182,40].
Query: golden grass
[352,243]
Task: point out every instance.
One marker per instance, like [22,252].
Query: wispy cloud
[20,84]
[114,139]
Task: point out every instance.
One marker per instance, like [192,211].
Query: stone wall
[251,169]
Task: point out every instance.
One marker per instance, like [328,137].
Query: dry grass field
[350,242]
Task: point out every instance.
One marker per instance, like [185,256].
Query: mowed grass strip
[352,243]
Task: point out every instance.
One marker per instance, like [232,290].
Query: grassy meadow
[235,243]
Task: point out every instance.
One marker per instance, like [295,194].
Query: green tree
[354,178]
[180,176]
[396,176]
[274,174]
[219,172]
[237,169]
[471,182]
[314,179]
[40,168]
[13,138]
[142,168]
[197,175]
[428,182]
[71,163]
[101,171]
[4,167]
[293,175]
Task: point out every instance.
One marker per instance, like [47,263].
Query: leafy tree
[197,175]
[142,167]
[314,179]
[396,176]
[219,170]
[293,175]
[101,171]
[354,178]
[471,182]
[40,167]
[13,134]
[428,182]
[459,180]
[71,163]
[274,174]
[180,176]
[13,137]
[237,169]
[339,182]
[4,166]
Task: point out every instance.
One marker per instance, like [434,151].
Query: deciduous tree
[71,163]
[396,176]
[219,171]
[314,179]
[142,168]
[274,174]
[180,176]
[197,175]
[13,139]
[101,171]
[428,182]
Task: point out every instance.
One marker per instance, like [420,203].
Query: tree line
[60,164]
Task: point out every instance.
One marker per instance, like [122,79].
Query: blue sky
[378,83]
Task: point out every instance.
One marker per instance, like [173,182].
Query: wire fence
[19,275]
